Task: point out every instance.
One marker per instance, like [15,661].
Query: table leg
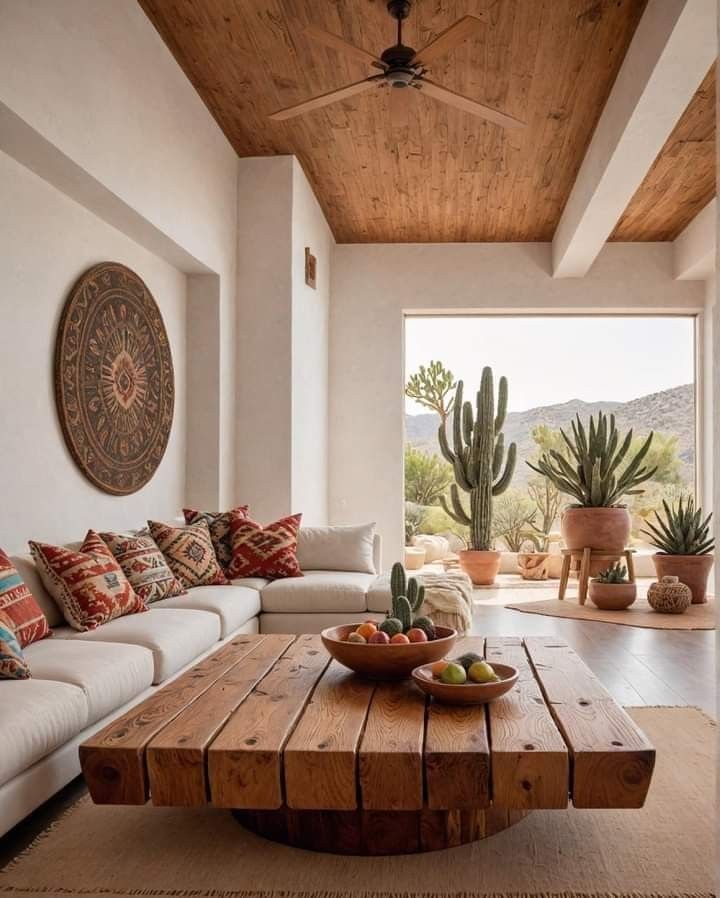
[584,575]
[564,576]
[630,566]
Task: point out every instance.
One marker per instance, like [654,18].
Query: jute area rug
[665,850]
[639,614]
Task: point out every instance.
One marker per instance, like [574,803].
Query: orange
[399,638]
[438,667]
[367,629]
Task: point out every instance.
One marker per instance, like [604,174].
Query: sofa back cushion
[337,548]
[26,567]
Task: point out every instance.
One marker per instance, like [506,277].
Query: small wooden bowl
[386,662]
[466,693]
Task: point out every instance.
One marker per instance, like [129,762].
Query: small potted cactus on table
[477,458]
[611,590]
[685,546]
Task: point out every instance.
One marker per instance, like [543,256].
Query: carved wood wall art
[114,380]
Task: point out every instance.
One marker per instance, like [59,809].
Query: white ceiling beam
[670,54]
[694,248]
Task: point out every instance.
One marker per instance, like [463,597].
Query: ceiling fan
[401,67]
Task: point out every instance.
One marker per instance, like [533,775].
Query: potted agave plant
[597,476]
[611,590]
[477,458]
[685,546]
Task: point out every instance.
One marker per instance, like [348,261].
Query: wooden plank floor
[637,666]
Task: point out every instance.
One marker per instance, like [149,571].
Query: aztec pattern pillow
[264,551]
[190,554]
[88,585]
[144,565]
[13,665]
[19,604]
[219,524]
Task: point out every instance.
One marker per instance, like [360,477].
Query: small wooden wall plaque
[310,269]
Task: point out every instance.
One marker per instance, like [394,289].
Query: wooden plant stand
[305,752]
[582,559]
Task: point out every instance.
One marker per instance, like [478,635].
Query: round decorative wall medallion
[114,381]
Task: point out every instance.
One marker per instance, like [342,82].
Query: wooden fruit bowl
[466,693]
[386,662]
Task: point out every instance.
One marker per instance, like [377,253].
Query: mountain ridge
[665,412]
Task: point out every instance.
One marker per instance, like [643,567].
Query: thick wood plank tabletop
[176,756]
[321,755]
[612,760]
[457,751]
[245,760]
[113,760]
[530,762]
[269,724]
[391,751]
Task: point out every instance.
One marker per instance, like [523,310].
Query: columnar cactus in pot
[482,468]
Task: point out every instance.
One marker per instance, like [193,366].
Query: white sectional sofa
[81,681]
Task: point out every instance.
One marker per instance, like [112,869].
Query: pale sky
[553,359]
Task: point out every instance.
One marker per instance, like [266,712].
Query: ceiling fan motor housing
[400,72]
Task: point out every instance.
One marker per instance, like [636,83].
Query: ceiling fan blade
[399,106]
[463,29]
[467,105]
[331,96]
[337,43]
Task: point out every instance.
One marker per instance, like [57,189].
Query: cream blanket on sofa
[448,597]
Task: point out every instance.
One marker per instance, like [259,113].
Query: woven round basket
[669,596]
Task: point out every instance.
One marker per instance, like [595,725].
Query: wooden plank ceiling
[682,178]
[447,176]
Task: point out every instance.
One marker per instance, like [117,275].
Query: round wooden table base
[377,832]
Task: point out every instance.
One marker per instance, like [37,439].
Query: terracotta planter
[601,529]
[481,567]
[612,596]
[692,570]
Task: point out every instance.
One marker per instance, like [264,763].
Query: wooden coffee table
[307,753]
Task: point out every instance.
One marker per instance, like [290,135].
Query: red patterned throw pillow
[219,525]
[19,604]
[190,554]
[88,585]
[264,551]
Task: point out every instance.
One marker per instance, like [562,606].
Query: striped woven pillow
[18,603]
[13,665]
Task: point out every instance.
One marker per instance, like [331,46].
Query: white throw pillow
[337,548]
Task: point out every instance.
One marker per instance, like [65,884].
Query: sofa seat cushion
[175,636]
[338,591]
[251,582]
[110,674]
[234,605]
[37,717]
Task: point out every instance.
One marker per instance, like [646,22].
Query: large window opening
[641,369]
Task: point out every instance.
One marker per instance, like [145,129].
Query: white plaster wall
[372,287]
[310,314]
[264,320]
[46,242]
[708,364]
[94,80]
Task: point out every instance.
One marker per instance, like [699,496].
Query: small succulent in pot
[597,474]
[611,590]
[682,536]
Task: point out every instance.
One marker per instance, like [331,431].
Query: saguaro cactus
[477,458]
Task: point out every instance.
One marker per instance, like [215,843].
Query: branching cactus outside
[480,464]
